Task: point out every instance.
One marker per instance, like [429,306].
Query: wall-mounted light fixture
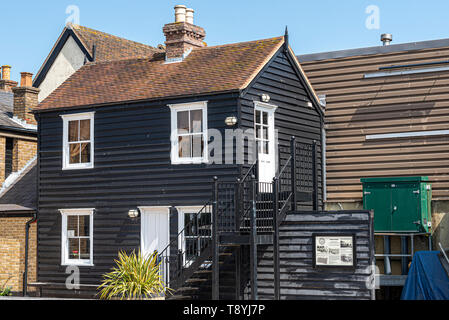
[133,213]
[231,121]
[265,97]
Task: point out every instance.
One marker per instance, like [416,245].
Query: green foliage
[133,277]
[6,291]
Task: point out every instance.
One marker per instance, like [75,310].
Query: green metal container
[400,204]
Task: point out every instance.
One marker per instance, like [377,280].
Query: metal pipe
[387,250]
[27,235]
[392,255]
[404,259]
[444,252]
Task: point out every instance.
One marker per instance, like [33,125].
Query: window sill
[90,166]
[190,161]
[78,264]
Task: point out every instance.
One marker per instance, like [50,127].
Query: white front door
[265,139]
[155,229]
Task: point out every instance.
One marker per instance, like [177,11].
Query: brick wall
[12,253]
[181,37]
[25,99]
[2,158]
[23,152]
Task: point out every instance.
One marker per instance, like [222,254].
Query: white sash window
[189,133]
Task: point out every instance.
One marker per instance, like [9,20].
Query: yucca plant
[134,277]
[5,290]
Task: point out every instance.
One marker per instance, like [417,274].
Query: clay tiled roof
[109,47]
[205,70]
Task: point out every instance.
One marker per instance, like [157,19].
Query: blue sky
[29,28]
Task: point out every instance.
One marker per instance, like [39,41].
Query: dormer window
[78,141]
[189,133]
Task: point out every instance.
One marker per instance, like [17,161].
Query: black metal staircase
[215,255]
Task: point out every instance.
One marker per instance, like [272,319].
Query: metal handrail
[185,227]
[249,171]
[284,167]
[287,200]
[167,259]
[444,252]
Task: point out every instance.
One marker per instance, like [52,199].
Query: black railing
[187,246]
[226,204]
[244,196]
[243,207]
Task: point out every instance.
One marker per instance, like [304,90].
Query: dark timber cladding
[132,168]
[299,278]
[293,116]
[358,106]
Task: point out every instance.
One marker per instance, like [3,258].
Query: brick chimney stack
[6,84]
[25,98]
[182,36]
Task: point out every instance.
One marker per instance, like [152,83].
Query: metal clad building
[387,109]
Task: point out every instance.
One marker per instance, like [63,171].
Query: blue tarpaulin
[427,279]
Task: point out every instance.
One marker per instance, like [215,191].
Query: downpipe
[27,236]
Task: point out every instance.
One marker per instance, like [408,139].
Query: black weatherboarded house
[145,135]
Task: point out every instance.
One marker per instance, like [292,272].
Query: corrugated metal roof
[440,43]
[393,124]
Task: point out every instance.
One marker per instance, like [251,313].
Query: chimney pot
[6,72]
[386,38]
[6,84]
[26,79]
[180,13]
[189,15]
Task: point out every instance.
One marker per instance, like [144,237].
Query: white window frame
[175,108]
[270,109]
[66,165]
[65,261]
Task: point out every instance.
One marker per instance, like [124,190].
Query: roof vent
[386,38]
